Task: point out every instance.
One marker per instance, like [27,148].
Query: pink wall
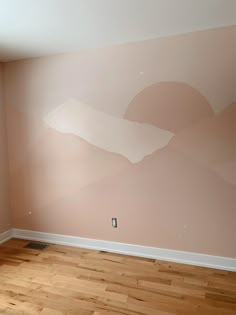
[4,204]
[149,139]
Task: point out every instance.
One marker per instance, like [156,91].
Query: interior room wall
[144,132]
[4,197]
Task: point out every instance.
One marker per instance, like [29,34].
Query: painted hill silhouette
[169,105]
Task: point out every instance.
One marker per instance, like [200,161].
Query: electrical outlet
[114,222]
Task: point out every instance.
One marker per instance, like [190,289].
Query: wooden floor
[72,281]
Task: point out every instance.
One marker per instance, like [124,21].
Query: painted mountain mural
[145,132]
[87,180]
[130,139]
[52,164]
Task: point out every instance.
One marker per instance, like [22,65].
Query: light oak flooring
[73,281]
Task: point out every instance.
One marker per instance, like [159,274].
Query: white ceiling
[32,28]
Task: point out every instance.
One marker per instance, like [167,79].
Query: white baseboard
[196,259]
[6,236]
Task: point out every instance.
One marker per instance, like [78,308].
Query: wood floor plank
[62,280]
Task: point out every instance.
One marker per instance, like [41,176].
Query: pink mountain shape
[169,105]
[227,171]
[167,200]
[46,165]
[211,141]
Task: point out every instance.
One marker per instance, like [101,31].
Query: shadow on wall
[173,192]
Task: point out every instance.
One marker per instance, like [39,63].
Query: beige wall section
[68,180]
[109,78]
[4,205]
